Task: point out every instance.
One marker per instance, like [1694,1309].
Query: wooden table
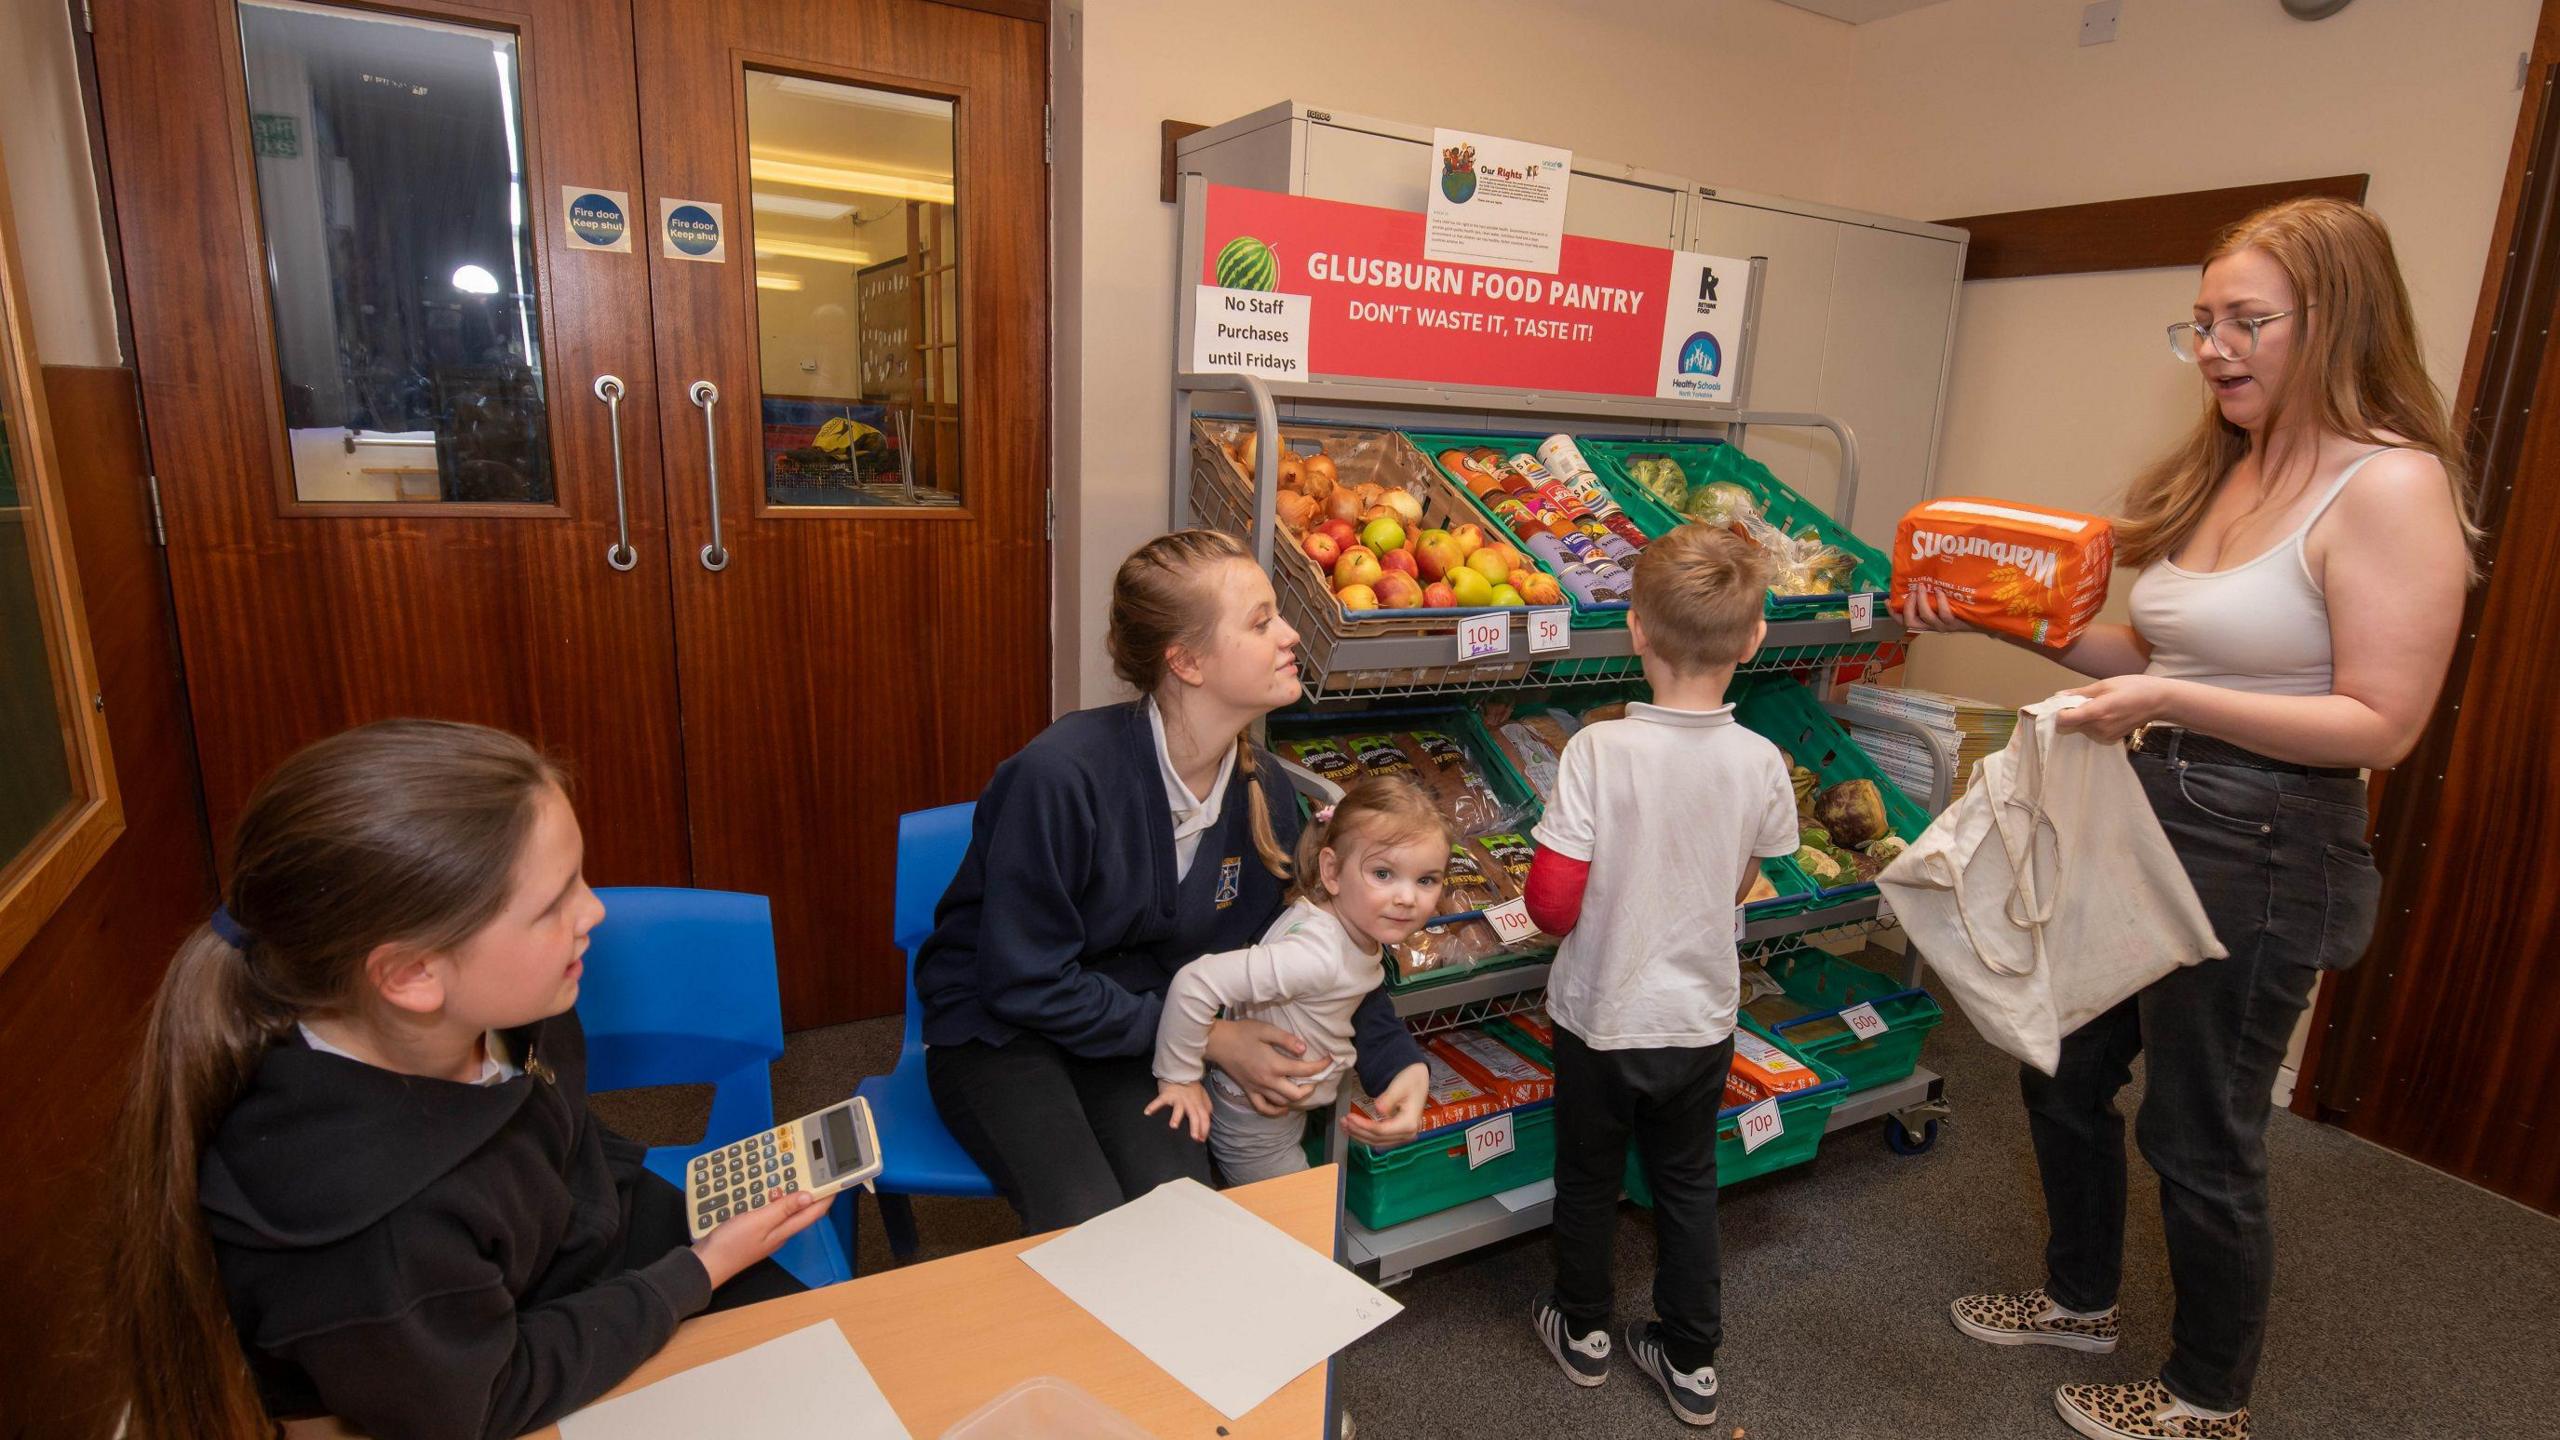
[945,1338]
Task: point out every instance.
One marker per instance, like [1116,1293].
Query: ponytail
[207,1028]
[1265,843]
[406,830]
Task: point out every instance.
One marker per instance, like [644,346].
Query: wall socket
[2098,21]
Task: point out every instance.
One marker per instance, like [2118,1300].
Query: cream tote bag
[2049,893]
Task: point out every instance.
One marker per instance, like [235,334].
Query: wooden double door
[663,380]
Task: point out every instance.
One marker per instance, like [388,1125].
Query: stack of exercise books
[1970,728]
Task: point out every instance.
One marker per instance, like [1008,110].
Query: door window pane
[857,250]
[35,736]
[399,255]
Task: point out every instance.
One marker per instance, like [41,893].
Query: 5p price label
[1489,1141]
[1482,637]
[1761,1124]
[1550,630]
[1863,1021]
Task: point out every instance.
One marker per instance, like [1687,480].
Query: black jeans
[2281,866]
[1667,1101]
[1061,1135]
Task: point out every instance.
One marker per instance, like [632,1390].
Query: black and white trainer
[1692,1393]
[1584,1359]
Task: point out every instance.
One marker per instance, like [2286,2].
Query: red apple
[1344,534]
[1468,538]
[1437,554]
[1357,597]
[1399,560]
[1438,596]
[1397,590]
[1358,566]
[1323,549]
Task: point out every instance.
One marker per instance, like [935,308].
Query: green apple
[1505,595]
[1470,587]
[1383,534]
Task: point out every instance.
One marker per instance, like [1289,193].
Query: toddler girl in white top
[1368,875]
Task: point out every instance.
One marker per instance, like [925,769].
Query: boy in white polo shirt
[1653,836]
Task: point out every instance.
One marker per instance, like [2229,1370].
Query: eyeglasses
[2235,338]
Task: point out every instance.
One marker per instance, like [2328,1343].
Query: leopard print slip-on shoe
[2031,1318]
[2146,1411]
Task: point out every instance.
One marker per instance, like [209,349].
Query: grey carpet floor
[2407,1303]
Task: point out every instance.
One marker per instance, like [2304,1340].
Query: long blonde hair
[2357,370]
[404,829]
[1162,598]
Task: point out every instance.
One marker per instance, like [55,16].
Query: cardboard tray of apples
[1387,544]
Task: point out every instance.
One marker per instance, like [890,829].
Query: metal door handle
[706,395]
[619,554]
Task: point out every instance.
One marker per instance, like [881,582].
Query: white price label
[1510,921]
[1862,613]
[1481,637]
[1884,907]
[1550,630]
[1489,1141]
[1740,924]
[1760,1125]
[1863,1021]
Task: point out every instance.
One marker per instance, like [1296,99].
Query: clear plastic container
[1045,1407]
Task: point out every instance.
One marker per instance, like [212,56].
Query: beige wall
[54,201]
[2063,386]
[1736,92]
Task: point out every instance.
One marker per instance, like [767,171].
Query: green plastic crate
[1785,712]
[1805,1113]
[1614,617]
[1705,462]
[1825,984]
[1430,1174]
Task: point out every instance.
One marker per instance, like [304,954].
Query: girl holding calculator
[356,1174]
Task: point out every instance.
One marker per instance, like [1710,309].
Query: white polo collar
[1191,814]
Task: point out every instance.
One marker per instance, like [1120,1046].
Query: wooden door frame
[2367,1029]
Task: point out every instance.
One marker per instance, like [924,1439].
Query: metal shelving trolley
[1416,661]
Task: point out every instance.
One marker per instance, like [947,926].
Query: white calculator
[821,1153]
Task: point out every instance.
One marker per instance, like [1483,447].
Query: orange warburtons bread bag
[2029,571]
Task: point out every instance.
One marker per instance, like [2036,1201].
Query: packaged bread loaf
[1454,777]
[1454,1099]
[1535,745]
[1514,1077]
[1510,854]
[1761,1069]
[1381,757]
[1325,757]
[1444,950]
[2019,569]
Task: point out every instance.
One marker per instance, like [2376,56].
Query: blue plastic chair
[680,990]
[918,1155]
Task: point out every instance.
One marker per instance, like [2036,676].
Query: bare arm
[2390,558]
[2102,651]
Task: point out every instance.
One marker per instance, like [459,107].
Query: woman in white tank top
[2303,557]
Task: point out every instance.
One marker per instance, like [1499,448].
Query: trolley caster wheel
[1899,1139]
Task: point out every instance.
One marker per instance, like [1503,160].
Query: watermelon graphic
[1248,264]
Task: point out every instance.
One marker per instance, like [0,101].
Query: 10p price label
[1550,630]
[1481,637]
[1489,1141]
[1760,1125]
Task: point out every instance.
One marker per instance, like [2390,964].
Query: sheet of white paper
[809,1382]
[1229,1304]
[1536,1192]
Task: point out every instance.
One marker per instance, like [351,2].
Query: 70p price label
[1490,1141]
[1760,1125]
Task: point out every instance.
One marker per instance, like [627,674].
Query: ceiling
[1859,12]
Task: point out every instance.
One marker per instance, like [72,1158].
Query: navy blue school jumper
[1046,971]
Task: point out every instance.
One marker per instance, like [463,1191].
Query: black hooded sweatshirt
[428,1258]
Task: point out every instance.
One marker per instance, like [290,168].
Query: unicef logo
[691,229]
[1701,355]
[596,220]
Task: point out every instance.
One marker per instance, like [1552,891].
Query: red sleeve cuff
[1554,891]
